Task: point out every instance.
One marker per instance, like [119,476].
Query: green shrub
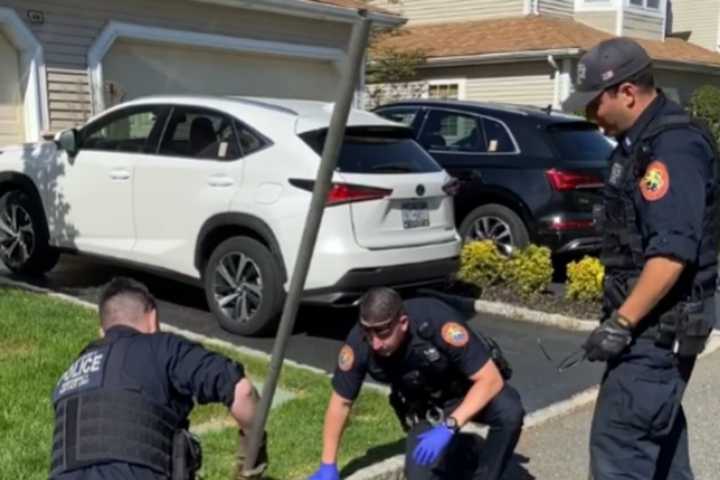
[529,270]
[705,104]
[585,280]
[481,264]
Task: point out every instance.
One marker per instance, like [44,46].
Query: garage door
[133,69]
[11,103]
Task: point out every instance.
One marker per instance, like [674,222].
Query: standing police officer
[121,409]
[441,378]
[659,250]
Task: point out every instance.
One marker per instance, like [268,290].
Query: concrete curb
[535,316]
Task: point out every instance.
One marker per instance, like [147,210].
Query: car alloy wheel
[495,229]
[238,286]
[17,235]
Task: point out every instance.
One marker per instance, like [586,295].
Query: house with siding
[526,51]
[62,61]
[697,20]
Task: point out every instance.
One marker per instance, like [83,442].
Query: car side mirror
[68,140]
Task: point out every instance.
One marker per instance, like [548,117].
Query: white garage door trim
[115,30]
[33,72]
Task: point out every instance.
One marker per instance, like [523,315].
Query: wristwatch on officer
[452,424]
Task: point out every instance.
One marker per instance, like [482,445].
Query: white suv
[217,191]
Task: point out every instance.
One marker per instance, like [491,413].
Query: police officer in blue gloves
[122,407]
[442,377]
[659,224]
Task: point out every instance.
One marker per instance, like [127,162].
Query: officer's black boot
[261,464]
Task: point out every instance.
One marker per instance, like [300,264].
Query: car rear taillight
[451,187]
[562,225]
[564,181]
[341,193]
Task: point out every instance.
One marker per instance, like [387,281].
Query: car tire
[496,222]
[24,238]
[247,302]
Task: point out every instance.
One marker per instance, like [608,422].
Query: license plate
[415,214]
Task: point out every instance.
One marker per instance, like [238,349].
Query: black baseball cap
[608,63]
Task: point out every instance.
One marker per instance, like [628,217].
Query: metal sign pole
[331,150]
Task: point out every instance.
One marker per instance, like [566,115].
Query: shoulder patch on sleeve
[346,358]
[455,334]
[656,181]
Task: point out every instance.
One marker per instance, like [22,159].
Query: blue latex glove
[431,445]
[327,471]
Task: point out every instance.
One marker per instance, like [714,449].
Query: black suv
[527,174]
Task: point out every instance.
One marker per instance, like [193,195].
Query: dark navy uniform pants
[639,431]
[465,457]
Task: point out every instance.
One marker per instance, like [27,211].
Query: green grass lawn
[40,336]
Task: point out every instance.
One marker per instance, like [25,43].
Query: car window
[199,133]
[376,150]
[124,131]
[249,141]
[404,115]
[498,137]
[580,142]
[453,131]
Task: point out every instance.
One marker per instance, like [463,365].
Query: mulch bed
[548,301]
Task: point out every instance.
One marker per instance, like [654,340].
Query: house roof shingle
[529,33]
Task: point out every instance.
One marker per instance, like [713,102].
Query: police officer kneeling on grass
[121,409]
[441,376]
[659,223]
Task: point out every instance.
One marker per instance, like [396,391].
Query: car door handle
[220,181]
[119,174]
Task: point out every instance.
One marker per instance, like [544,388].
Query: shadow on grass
[461,464]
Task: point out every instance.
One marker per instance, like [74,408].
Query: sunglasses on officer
[383,331]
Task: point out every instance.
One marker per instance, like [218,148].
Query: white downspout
[565,80]
[556,85]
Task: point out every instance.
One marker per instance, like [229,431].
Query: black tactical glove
[609,339]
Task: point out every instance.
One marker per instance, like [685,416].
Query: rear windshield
[580,142]
[377,150]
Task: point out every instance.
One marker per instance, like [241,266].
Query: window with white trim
[444,91]
[648,4]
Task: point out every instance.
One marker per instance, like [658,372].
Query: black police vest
[428,378]
[97,420]
[622,251]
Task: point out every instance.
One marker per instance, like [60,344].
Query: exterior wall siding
[635,24]
[681,85]
[701,18]
[528,83]
[72,26]
[605,21]
[562,8]
[437,11]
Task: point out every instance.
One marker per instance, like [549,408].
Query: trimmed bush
[705,104]
[529,270]
[481,264]
[585,280]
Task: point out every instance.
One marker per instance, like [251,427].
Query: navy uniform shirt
[449,333]
[168,370]
[671,195]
